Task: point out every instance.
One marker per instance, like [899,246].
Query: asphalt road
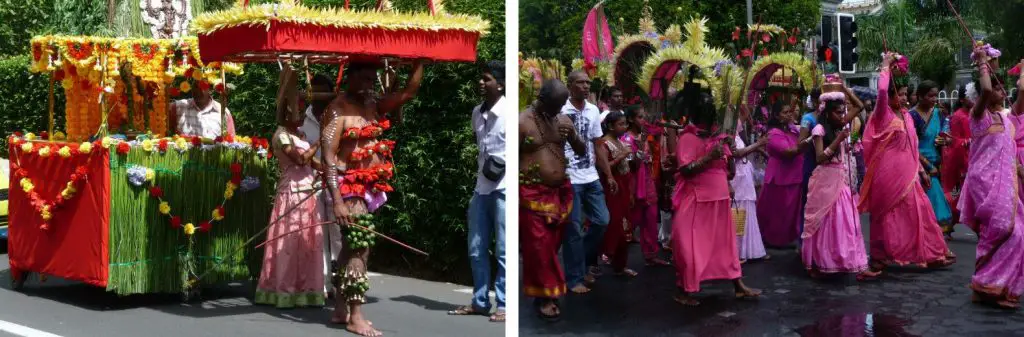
[397,306]
[905,302]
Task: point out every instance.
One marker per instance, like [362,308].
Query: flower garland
[356,181]
[374,130]
[47,208]
[383,148]
[185,143]
[217,214]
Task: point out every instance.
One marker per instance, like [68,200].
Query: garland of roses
[47,208]
[356,180]
[216,215]
[374,130]
[384,148]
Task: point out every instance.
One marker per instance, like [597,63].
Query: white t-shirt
[489,128]
[582,169]
[311,127]
[608,112]
[195,121]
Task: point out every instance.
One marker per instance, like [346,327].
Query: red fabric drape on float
[76,244]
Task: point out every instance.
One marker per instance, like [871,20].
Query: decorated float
[667,70]
[115,200]
[532,74]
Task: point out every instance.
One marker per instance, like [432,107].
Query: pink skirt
[292,274]
[779,213]
[838,245]
[703,242]
[908,233]
[750,245]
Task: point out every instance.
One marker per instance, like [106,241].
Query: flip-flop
[466,311]
[498,317]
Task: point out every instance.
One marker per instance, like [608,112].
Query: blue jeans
[579,249]
[487,219]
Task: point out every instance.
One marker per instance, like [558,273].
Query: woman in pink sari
[703,233]
[989,205]
[644,211]
[778,207]
[832,241]
[292,273]
[903,226]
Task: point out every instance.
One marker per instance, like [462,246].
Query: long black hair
[631,112]
[823,119]
[610,120]
[923,88]
[773,117]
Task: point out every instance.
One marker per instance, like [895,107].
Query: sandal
[555,311]
[498,317]
[466,311]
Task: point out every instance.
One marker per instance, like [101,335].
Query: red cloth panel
[76,244]
[226,44]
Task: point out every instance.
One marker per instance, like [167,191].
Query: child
[644,212]
[292,273]
[615,244]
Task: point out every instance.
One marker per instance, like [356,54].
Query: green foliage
[80,17]
[24,104]
[19,20]
[1001,19]
[933,60]
[553,28]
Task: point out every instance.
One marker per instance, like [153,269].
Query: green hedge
[435,157]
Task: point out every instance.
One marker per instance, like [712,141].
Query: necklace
[549,146]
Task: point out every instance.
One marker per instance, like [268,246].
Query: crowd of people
[714,196]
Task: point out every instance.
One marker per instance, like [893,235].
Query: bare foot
[580,289]
[548,311]
[686,300]
[335,319]
[362,327]
[744,292]
[627,272]
[657,262]
[743,261]
[589,279]
[868,275]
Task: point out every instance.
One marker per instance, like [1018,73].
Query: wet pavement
[904,302]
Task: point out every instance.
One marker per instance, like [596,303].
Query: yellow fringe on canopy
[262,15]
[705,60]
[804,68]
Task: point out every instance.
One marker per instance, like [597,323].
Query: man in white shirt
[580,251]
[200,115]
[615,101]
[487,208]
[323,91]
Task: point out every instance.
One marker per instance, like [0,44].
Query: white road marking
[23,331]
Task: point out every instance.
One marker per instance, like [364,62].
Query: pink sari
[703,234]
[904,229]
[992,208]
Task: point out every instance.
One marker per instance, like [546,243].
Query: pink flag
[597,38]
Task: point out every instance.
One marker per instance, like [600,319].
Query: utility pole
[750,12]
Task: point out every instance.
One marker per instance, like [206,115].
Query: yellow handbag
[739,218]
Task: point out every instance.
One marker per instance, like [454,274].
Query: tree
[553,28]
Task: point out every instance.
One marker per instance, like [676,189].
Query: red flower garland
[76,179]
[383,148]
[374,130]
[357,180]
[205,226]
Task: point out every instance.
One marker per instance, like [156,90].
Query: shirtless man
[545,193]
[352,124]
